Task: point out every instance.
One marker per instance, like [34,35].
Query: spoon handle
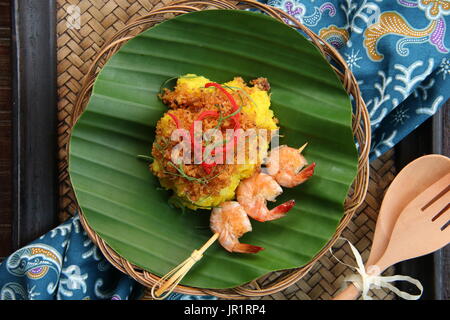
[352,292]
[349,293]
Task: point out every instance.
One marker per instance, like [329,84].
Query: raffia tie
[368,279]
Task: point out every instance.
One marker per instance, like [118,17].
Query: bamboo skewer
[170,280]
[300,150]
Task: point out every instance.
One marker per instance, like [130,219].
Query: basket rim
[360,126]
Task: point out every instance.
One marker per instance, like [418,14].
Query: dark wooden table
[5,129]
[28,172]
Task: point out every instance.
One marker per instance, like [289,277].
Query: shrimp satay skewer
[230,221]
[287,166]
[253,194]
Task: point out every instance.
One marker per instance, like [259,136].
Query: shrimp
[230,221]
[253,194]
[287,164]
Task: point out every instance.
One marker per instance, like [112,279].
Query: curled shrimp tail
[246,248]
[232,244]
[263,214]
[283,208]
[299,178]
[280,211]
[308,172]
[231,222]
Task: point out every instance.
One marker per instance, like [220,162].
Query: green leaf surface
[120,198]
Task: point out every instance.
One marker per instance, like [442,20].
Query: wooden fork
[422,227]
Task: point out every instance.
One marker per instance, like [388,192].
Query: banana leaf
[122,200]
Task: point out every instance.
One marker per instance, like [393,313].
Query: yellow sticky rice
[258,110]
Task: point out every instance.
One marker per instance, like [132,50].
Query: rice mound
[186,102]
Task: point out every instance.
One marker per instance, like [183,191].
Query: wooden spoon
[414,179]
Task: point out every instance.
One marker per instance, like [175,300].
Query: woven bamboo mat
[76,48]
[98,20]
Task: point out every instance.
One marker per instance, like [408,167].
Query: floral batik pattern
[398,51]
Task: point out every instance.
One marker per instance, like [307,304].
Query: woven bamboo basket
[360,126]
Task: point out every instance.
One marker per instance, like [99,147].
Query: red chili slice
[209,113]
[236,119]
[230,97]
[208,166]
[175,119]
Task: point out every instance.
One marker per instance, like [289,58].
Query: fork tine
[444,222]
[446,226]
[444,213]
[432,194]
[438,209]
[436,197]
[445,233]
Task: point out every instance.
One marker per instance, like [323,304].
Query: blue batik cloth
[64,264]
[398,51]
